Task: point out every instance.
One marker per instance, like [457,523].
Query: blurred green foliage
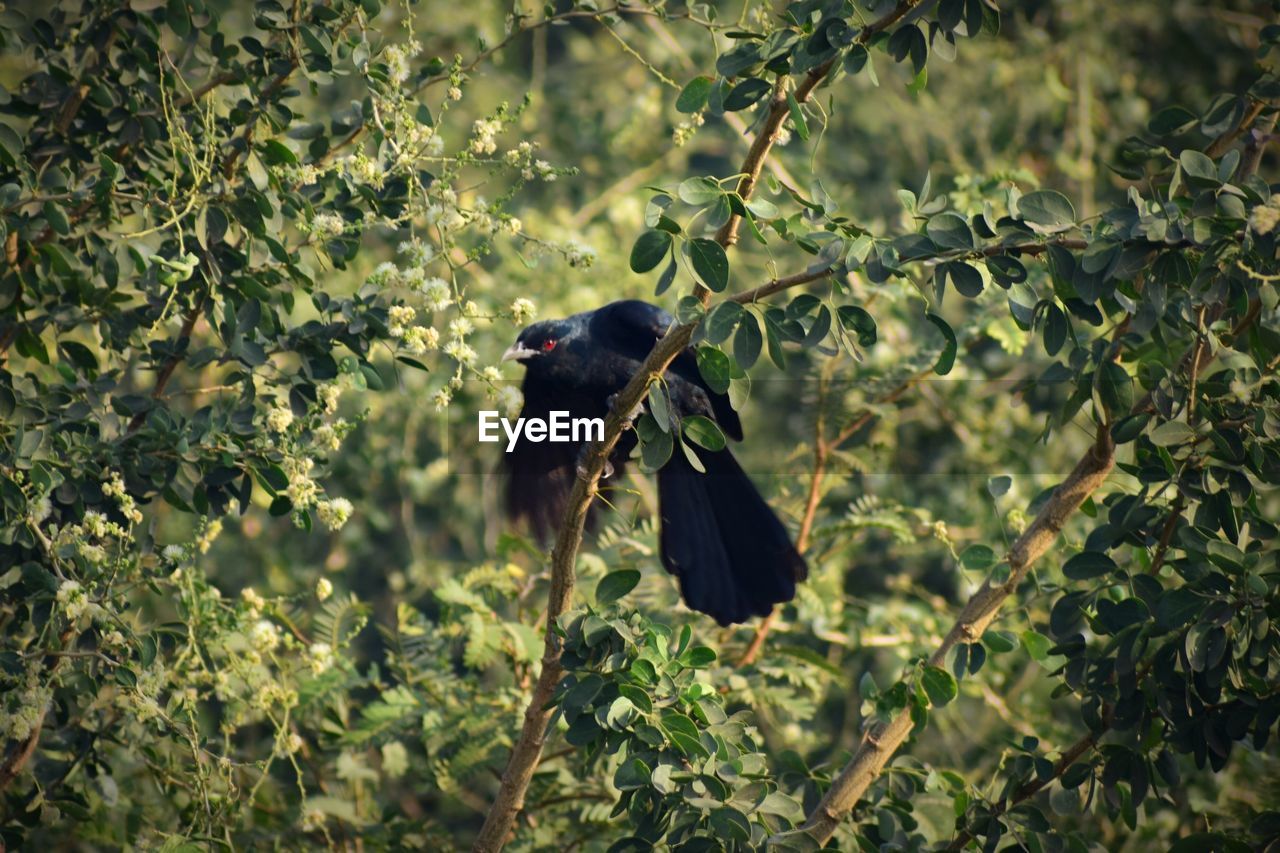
[254,587]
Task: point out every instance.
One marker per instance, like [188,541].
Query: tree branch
[882,740]
[1029,789]
[879,744]
[528,748]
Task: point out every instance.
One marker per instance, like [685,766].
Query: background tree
[994,290]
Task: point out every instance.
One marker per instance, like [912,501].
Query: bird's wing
[539,475]
[631,328]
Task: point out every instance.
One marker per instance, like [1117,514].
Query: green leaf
[947,358]
[715,368]
[939,685]
[1049,208]
[1088,564]
[699,191]
[1172,121]
[999,641]
[1171,433]
[693,96]
[582,694]
[11,146]
[697,657]
[797,116]
[965,278]
[748,341]
[950,231]
[1055,329]
[660,405]
[1198,168]
[1036,644]
[858,321]
[977,558]
[745,94]
[710,263]
[656,444]
[615,585]
[665,280]
[631,775]
[722,320]
[650,248]
[703,432]
[1114,387]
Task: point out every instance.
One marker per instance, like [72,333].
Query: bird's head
[540,342]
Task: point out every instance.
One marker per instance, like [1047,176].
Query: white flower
[265,636]
[114,485]
[398,318]
[385,274]
[397,58]
[455,94]
[250,597]
[328,225]
[329,395]
[460,352]
[523,310]
[460,327]
[491,374]
[327,437]
[320,656]
[211,532]
[419,339]
[96,524]
[364,169]
[510,399]
[419,253]
[441,399]
[72,599]
[1264,218]
[579,255]
[324,589]
[173,553]
[40,509]
[395,759]
[334,513]
[302,490]
[484,131]
[279,418]
[436,294]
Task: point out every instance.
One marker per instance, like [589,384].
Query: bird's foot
[582,469]
[631,417]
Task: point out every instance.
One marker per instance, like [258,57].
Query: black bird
[731,553]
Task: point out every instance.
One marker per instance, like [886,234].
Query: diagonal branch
[881,741]
[528,747]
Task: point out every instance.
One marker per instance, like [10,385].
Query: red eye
[548,345]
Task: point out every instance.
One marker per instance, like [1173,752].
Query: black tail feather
[733,556]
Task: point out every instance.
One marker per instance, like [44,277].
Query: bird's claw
[583,469]
[632,417]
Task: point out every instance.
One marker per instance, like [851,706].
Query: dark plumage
[733,556]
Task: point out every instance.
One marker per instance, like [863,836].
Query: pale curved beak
[516,352]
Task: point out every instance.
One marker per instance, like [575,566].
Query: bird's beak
[516,352]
